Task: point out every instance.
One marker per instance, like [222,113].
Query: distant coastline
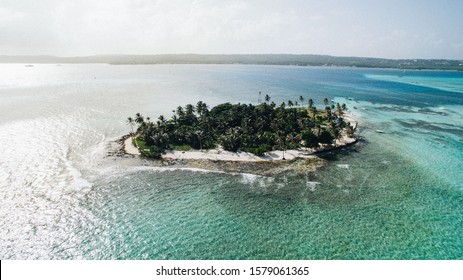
[251,59]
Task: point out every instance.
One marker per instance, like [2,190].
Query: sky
[369,28]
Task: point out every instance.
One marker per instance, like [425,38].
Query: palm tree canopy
[254,128]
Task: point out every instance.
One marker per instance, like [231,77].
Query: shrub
[258,151]
[152,152]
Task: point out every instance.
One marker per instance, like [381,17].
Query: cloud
[8,16]
[168,27]
[87,27]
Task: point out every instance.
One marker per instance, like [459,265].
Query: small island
[242,132]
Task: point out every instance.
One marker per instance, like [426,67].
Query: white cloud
[86,27]
[8,16]
[168,27]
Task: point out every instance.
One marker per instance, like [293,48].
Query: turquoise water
[451,84]
[395,195]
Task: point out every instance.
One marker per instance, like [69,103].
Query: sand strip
[222,155]
[129,148]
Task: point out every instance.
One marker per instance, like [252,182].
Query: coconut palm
[329,115]
[139,119]
[180,112]
[310,103]
[231,140]
[326,101]
[201,108]
[267,98]
[313,111]
[339,110]
[200,134]
[131,122]
[189,109]
[281,142]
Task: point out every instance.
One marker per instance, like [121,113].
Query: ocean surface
[395,195]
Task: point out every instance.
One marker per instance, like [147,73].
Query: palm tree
[313,112]
[326,101]
[281,141]
[189,109]
[180,112]
[290,103]
[319,127]
[160,139]
[328,113]
[175,119]
[267,98]
[200,134]
[231,140]
[312,109]
[131,122]
[310,103]
[301,99]
[139,118]
[201,108]
[344,107]
[335,131]
[339,109]
[161,121]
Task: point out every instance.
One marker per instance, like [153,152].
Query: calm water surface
[397,195]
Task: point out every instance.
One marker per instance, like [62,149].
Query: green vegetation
[262,59]
[252,128]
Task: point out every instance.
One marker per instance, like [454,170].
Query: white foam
[77,182]
[248,178]
[312,185]
[172,169]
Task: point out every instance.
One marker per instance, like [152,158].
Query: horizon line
[223,54]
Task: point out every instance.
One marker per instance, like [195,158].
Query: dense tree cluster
[246,127]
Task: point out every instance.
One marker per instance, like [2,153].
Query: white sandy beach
[222,155]
[129,148]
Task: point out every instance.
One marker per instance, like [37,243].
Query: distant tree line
[242,127]
[263,59]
